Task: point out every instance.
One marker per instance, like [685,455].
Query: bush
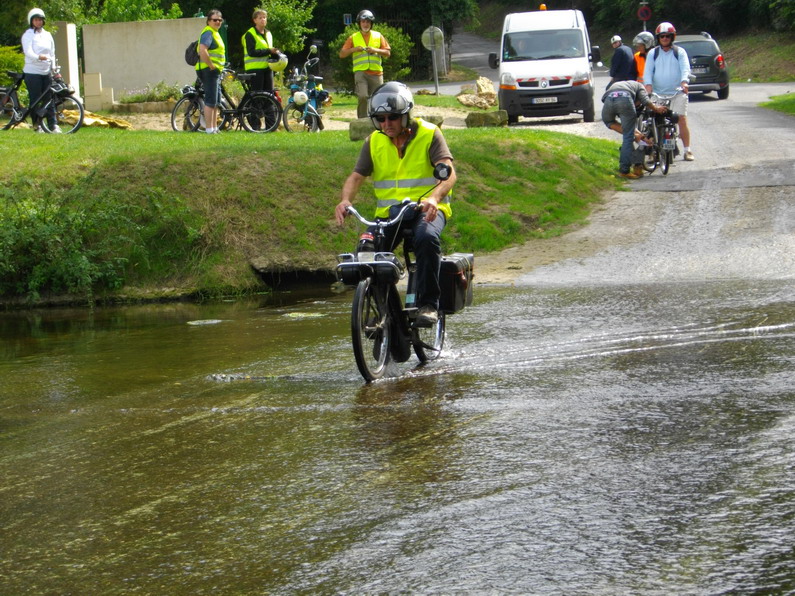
[11,58]
[395,67]
[158,92]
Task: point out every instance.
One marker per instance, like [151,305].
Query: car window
[699,48]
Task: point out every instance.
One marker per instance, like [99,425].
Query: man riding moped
[401,156]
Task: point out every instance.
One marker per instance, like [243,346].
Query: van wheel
[588,114]
[513,119]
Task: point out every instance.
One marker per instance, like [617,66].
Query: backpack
[192,54]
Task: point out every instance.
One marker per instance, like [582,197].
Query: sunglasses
[217,20]
[391,117]
[665,36]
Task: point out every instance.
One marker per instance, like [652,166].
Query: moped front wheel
[666,158]
[428,341]
[371,331]
[296,119]
[187,114]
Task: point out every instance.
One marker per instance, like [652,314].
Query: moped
[307,98]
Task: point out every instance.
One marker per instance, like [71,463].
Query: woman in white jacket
[39,49]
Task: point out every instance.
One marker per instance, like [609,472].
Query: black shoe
[426,317]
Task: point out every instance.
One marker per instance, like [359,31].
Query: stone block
[481,119]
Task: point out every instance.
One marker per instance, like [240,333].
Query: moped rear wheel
[666,157]
[261,113]
[428,341]
[295,120]
[371,331]
[187,114]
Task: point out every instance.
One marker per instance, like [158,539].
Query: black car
[707,64]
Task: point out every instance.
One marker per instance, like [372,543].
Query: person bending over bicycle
[400,156]
[39,49]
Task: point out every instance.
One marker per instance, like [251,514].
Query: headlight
[507,81]
[300,98]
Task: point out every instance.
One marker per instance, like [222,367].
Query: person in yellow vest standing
[212,58]
[401,156]
[368,48]
[257,48]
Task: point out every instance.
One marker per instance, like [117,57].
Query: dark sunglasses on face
[391,117]
[217,20]
[665,36]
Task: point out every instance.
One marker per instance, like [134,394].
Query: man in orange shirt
[643,42]
[368,48]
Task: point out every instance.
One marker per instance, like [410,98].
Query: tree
[121,11]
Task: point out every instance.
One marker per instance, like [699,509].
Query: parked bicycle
[304,109]
[662,130]
[258,111]
[383,326]
[57,109]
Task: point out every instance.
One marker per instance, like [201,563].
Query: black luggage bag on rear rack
[455,280]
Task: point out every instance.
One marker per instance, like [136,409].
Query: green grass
[128,213]
[760,57]
[781,103]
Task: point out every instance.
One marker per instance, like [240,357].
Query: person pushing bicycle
[400,156]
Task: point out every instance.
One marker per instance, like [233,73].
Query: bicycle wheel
[10,110]
[428,341]
[296,120]
[187,114]
[261,113]
[370,331]
[68,115]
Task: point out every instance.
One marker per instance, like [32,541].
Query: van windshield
[542,45]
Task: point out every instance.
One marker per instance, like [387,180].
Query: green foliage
[395,67]
[119,11]
[287,20]
[11,58]
[161,91]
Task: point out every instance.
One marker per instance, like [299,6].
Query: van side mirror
[596,54]
[493,62]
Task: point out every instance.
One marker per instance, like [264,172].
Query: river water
[573,439]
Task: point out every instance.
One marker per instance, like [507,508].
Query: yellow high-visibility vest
[261,43]
[363,60]
[217,55]
[395,179]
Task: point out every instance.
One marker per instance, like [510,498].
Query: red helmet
[665,28]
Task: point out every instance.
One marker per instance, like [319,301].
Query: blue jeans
[38,84]
[427,243]
[211,81]
[624,108]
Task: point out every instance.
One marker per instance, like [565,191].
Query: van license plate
[545,100]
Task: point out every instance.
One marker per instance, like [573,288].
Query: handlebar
[407,204]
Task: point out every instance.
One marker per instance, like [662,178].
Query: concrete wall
[130,56]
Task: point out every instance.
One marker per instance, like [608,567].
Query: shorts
[679,104]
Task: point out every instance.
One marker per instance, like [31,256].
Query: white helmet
[35,12]
[614,39]
[278,62]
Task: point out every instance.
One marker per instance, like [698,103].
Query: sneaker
[39,129]
[426,317]
[56,130]
[638,169]
[689,156]
[630,175]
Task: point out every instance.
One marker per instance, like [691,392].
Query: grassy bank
[123,214]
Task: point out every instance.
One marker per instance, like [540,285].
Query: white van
[546,65]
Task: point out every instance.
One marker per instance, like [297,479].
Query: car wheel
[723,93]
